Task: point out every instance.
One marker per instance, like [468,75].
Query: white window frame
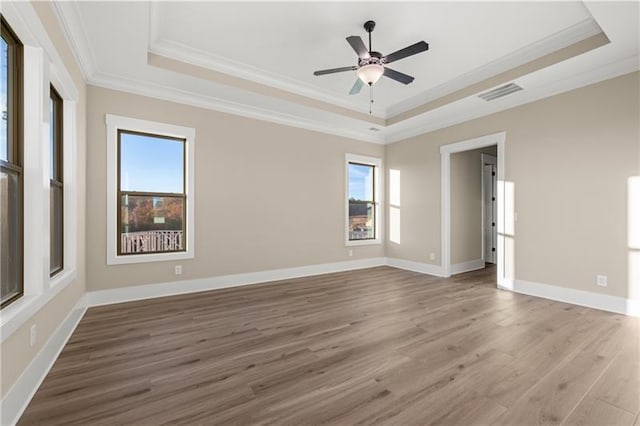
[378,191]
[69,179]
[115,123]
[42,67]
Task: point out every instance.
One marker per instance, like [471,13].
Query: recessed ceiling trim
[178,51]
[550,59]
[575,33]
[183,53]
[206,73]
[166,93]
[615,20]
[426,123]
[410,128]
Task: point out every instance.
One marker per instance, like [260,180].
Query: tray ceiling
[257,59]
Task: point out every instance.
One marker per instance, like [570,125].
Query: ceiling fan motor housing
[374,58]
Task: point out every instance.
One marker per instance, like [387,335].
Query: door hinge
[493,249]
[493,224]
[493,198]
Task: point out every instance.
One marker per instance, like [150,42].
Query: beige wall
[569,157]
[466,204]
[267,196]
[16,351]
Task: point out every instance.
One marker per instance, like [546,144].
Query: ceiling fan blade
[333,70]
[397,76]
[420,46]
[357,86]
[358,45]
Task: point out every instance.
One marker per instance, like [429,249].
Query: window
[25,70]
[11,173]
[151,213]
[362,200]
[151,193]
[56,189]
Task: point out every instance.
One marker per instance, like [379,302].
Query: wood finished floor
[376,346]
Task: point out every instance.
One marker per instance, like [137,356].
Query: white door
[489,226]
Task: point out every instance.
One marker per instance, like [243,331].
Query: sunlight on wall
[509,209]
[394,225]
[633,239]
[506,232]
[394,187]
[394,206]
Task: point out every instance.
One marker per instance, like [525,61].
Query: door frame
[498,139]
[483,161]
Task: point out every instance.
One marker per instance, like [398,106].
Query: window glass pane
[4,105]
[52,140]
[361,221]
[151,224]
[10,242]
[360,182]
[151,164]
[55,211]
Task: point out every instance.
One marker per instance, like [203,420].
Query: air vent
[500,92]
[374,129]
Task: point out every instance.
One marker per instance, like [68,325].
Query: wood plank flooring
[375,346]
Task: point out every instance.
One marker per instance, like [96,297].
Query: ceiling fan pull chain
[370,97]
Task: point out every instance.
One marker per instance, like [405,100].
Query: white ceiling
[281,44]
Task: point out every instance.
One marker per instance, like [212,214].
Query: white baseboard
[409,265]
[471,265]
[18,397]
[127,294]
[589,299]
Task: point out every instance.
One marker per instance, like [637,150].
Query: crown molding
[158,91]
[76,35]
[578,32]
[416,126]
[184,53]
[70,19]
[189,55]
[424,123]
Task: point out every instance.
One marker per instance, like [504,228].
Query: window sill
[62,279]
[22,310]
[362,242]
[12,314]
[145,258]
[19,312]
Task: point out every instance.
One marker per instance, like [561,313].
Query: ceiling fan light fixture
[370,74]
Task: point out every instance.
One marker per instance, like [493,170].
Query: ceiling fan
[372,65]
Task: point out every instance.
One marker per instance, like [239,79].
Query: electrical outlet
[350,253]
[178,269]
[432,256]
[601,280]
[34,336]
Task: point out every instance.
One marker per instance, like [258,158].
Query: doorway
[498,139]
